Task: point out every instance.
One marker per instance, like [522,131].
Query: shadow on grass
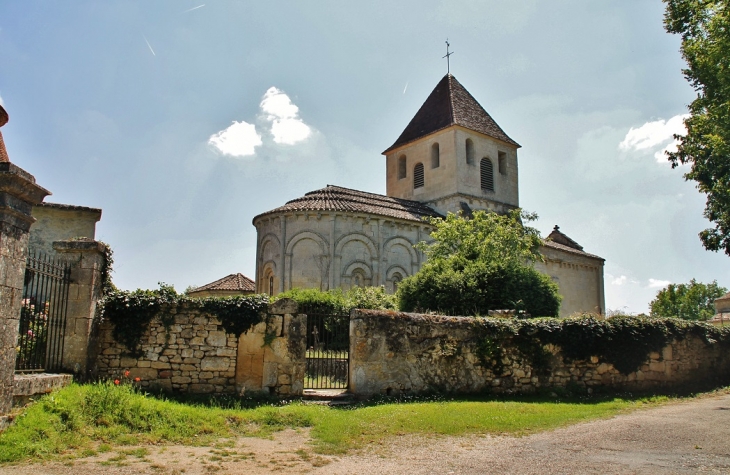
[573,394]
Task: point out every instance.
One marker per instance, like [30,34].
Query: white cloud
[2,103]
[240,139]
[658,284]
[621,280]
[657,136]
[286,127]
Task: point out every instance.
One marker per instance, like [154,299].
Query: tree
[704,26]
[480,264]
[693,301]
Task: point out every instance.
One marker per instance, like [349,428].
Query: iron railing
[43,314]
[328,351]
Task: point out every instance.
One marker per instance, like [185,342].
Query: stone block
[216,338]
[128,362]
[180,380]
[143,373]
[212,363]
[282,306]
[159,365]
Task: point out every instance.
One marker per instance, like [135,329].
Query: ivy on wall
[131,312]
[624,342]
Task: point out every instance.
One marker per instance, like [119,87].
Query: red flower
[136,379]
[116,381]
[126,374]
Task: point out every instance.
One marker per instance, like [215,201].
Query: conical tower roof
[450,104]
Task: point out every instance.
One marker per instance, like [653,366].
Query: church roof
[230,282]
[337,198]
[450,104]
[559,240]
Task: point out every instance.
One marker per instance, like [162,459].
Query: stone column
[84,293]
[18,194]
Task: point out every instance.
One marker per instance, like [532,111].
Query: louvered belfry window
[487,174]
[418,176]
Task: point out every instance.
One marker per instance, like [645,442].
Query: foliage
[132,312]
[488,237]
[107,286]
[704,26]
[336,301]
[692,301]
[237,314]
[480,264]
[81,420]
[478,288]
[624,342]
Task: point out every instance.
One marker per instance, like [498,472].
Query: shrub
[338,302]
[478,289]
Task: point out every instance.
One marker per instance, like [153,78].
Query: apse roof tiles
[336,198]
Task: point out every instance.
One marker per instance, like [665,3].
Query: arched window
[396,281]
[502,157]
[418,176]
[271,285]
[401,167]
[358,278]
[469,152]
[435,158]
[486,170]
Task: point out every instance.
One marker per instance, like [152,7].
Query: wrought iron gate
[328,348]
[43,314]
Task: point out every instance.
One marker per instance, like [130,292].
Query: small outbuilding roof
[235,282]
[450,104]
[337,198]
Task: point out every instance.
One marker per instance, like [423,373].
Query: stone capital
[18,193]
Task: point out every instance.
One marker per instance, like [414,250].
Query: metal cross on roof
[448,66]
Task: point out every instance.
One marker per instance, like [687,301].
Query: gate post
[18,194]
[84,292]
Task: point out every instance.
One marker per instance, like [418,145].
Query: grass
[81,420]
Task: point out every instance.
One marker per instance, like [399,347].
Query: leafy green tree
[480,264]
[693,301]
[704,26]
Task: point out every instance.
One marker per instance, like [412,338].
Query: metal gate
[328,347]
[43,314]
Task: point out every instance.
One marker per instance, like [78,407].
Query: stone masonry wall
[193,355]
[196,355]
[393,353]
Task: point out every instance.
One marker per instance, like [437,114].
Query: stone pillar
[18,194]
[85,290]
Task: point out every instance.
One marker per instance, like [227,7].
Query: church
[451,157]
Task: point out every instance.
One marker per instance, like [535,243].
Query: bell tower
[453,156]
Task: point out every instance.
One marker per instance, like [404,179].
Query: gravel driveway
[692,436]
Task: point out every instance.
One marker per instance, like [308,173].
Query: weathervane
[448,66]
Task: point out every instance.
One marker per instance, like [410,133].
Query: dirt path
[685,437]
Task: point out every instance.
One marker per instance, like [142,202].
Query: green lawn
[81,420]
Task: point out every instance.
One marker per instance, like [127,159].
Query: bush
[477,289]
[480,264]
[338,302]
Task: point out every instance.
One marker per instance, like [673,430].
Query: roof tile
[336,198]
[450,104]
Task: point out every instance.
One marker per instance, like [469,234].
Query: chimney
[3,120]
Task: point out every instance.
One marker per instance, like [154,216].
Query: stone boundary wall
[397,353]
[196,355]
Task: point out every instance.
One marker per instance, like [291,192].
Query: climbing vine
[624,342]
[131,312]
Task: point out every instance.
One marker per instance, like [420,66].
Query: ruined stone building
[452,157]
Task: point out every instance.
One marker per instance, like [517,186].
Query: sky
[184,119]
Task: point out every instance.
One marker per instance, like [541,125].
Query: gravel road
[691,436]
